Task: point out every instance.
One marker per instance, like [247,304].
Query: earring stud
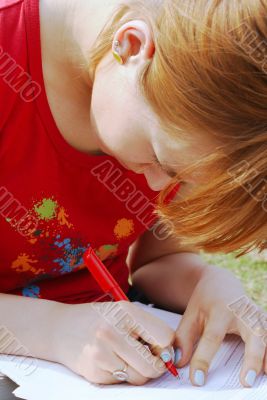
[116,52]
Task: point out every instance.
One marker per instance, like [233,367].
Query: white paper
[45,380]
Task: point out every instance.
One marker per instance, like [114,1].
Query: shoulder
[9,3]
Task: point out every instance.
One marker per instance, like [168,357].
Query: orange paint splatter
[23,264]
[124,228]
[62,217]
[107,251]
[32,241]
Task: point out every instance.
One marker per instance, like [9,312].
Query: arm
[215,302]
[84,337]
[27,326]
[166,273]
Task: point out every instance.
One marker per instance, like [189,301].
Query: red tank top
[55,200]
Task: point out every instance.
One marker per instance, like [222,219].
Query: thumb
[186,336]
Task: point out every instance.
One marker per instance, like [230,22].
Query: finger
[102,377]
[253,360]
[209,344]
[135,378]
[139,357]
[113,363]
[187,335]
[153,330]
[105,363]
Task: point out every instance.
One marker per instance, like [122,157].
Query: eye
[155,160]
[165,169]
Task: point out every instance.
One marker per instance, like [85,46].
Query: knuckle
[199,363]
[104,332]
[213,336]
[158,368]
[148,374]
[169,337]
[147,370]
[151,373]
[96,354]
[157,372]
[254,359]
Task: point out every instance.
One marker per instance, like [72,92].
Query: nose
[156,179]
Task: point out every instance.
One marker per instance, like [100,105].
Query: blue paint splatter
[31,291]
[73,257]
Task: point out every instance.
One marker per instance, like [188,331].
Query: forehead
[173,139]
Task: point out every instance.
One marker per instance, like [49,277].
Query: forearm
[170,280]
[27,326]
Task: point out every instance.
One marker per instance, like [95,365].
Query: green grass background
[251,269]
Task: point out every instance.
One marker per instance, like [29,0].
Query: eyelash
[156,161]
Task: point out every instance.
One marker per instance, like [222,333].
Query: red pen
[109,285]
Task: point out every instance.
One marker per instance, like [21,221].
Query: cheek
[108,108]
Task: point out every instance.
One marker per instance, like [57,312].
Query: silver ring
[121,374]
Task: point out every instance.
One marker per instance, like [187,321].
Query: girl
[109,111]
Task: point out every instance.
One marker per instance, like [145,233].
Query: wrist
[45,343]
[58,336]
[223,277]
[72,326]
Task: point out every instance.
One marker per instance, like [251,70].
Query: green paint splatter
[37,232]
[46,209]
[110,246]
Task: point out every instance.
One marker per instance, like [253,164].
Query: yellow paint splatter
[124,228]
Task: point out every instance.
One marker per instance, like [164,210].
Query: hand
[212,312]
[96,339]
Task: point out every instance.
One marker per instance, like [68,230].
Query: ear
[133,39]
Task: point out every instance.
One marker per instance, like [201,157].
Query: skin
[108,115]
[119,121]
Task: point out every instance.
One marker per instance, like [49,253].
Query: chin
[155,187]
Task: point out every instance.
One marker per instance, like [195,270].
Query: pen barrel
[118,294]
[171,368]
[102,276]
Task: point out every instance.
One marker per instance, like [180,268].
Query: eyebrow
[169,171]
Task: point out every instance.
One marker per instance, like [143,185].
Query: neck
[70,29]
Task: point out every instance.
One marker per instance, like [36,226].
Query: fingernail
[199,377]
[165,356]
[251,377]
[178,356]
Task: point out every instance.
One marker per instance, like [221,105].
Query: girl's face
[126,128]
